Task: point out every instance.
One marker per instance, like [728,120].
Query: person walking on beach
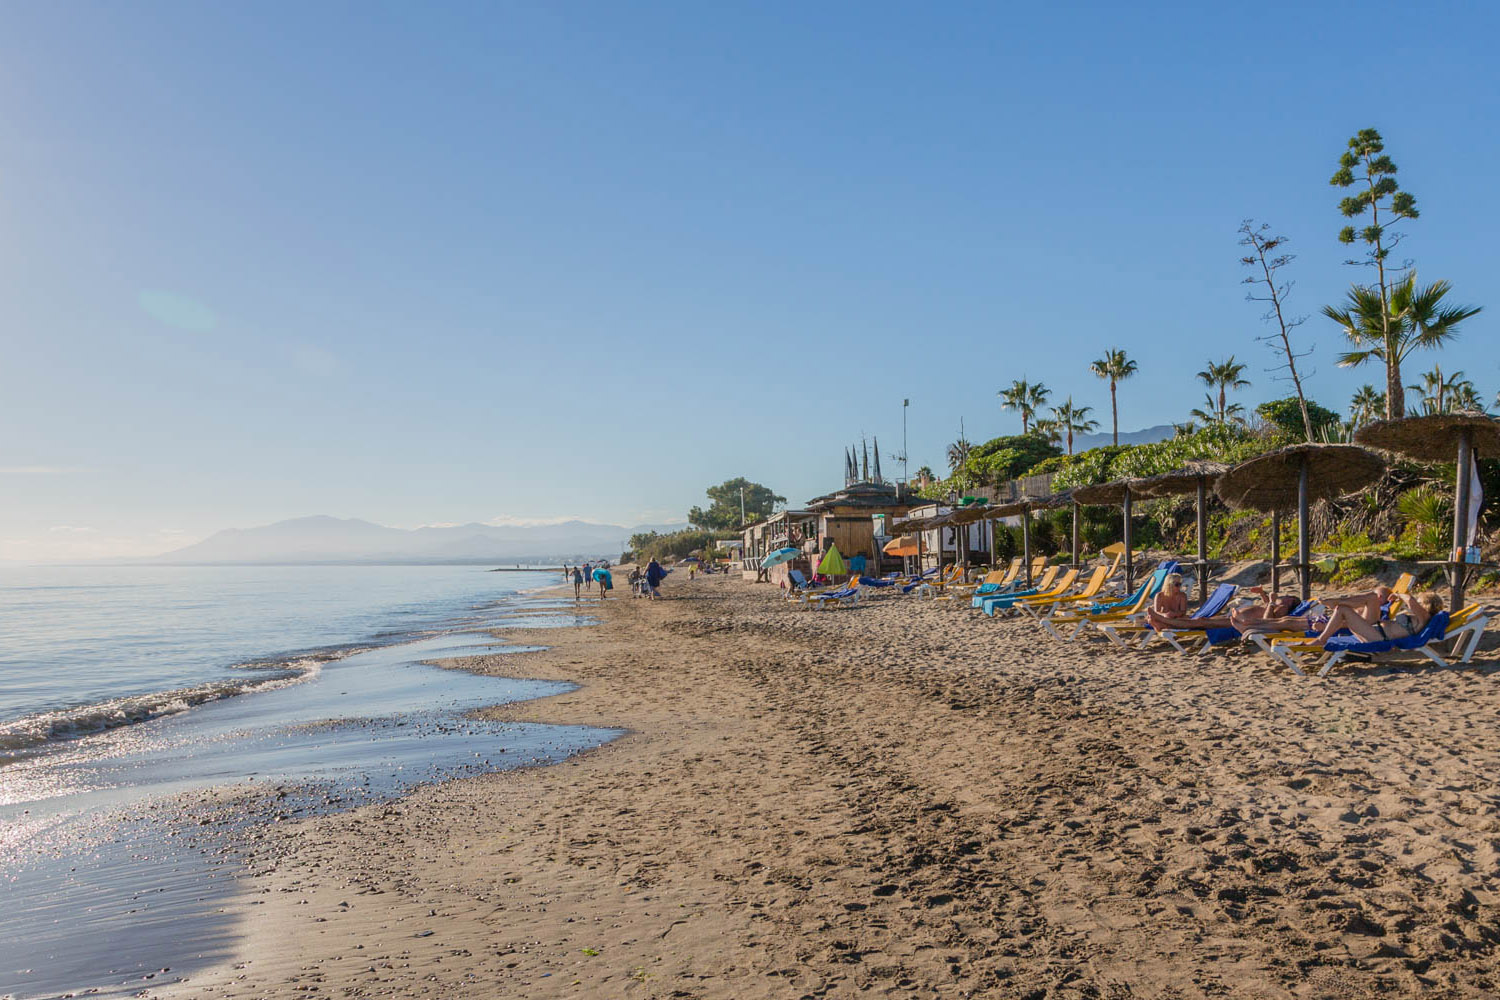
[588,576]
[606,583]
[577,584]
[654,576]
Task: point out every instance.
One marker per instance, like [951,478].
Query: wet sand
[901,800]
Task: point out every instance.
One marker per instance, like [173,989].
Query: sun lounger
[917,581]
[1043,583]
[953,574]
[1122,633]
[1058,589]
[1265,640]
[993,581]
[845,596]
[1089,591]
[1013,581]
[1460,631]
[1078,622]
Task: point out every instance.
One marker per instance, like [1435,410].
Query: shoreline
[901,800]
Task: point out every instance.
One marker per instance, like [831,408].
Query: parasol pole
[1304,567]
[1202,540]
[1026,542]
[1275,549]
[1075,534]
[1461,487]
[1129,556]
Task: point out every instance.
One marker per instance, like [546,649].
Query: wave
[86,720]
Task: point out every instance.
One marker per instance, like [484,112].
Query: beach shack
[785,528]
[948,540]
[850,517]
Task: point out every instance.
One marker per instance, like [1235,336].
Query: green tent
[833,563]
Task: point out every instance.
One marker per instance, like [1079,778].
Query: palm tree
[1366,405]
[958,453]
[1465,399]
[1069,420]
[926,476]
[1416,318]
[1026,398]
[1114,366]
[1222,377]
[1186,429]
[1443,395]
[1048,429]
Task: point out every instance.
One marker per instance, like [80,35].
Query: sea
[131,696]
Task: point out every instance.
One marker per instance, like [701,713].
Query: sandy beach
[900,799]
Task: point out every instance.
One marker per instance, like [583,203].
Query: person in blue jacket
[655,574]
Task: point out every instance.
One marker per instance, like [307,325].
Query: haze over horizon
[479,263]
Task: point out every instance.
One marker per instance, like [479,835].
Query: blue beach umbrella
[778,557]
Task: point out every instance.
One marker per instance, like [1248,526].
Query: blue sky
[448,262]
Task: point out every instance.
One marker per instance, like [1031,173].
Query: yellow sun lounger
[1080,620]
[1036,606]
[1044,594]
[953,574]
[1096,582]
[997,578]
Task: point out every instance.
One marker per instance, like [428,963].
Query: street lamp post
[905,403]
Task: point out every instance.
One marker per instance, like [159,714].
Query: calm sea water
[87,648]
[125,693]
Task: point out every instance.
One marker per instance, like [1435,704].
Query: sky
[440,263]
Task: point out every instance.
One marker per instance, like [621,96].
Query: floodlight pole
[905,479]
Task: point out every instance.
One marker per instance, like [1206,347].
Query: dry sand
[901,800]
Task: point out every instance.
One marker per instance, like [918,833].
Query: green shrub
[1285,416]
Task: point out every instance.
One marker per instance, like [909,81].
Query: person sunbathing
[1362,619]
[1272,614]
[1169,608]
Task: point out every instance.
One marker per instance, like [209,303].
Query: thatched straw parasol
[915,526]
[1296,476]
[1194,477]
[1024,507]
[1433,439]
[1121,491]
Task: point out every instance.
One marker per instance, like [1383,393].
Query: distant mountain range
[1161,432]
[323,539]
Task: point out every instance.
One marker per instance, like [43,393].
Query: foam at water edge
[85,720]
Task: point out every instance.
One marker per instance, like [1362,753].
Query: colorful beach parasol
[778,557]
[833,563]
[906,545]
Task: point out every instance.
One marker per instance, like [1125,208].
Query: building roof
[860,495]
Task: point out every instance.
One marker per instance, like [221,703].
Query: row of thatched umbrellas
[1291,477]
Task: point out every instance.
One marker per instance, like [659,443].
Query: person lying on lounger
[1273,614]
[1358,619]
